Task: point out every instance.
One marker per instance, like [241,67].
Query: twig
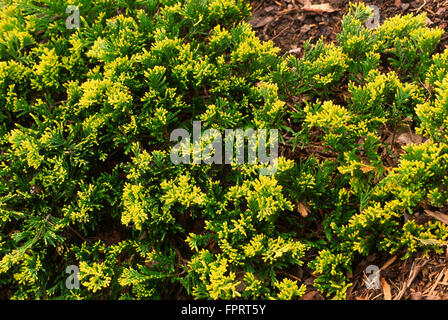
[424,4]
[290,275]
[436,283]
[77,233]
[41,230]
[388,263]
[258,6]
[278,34]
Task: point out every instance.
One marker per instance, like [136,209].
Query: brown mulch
[289,23]
[421,277]
[417,278]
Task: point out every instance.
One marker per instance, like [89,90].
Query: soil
[289,23]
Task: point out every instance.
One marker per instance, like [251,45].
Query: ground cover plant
[86,177]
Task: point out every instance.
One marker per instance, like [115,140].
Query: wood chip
[296,50]
[445,278]
[386,289]
[317,8]
[270,8]
[438,215]
[388,263]
[261,21]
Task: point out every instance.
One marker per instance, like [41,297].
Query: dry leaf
[302,209]
[409,138]
[408,119]
[438,215]
[386,289]
[366,168]
[397,3]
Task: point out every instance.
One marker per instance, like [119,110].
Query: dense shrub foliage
[86,177]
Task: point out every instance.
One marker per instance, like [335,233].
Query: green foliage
[321,66]
[86,177]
